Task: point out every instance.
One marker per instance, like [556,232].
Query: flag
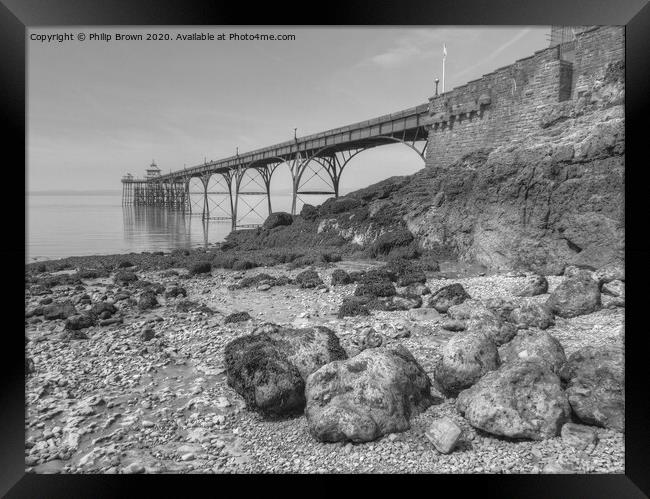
[444,50]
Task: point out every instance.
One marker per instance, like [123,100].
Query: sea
[82,224]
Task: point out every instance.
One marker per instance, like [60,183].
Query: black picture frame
[17,15]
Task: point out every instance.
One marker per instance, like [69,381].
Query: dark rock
[268,368]
[45,301]
[340,277]
[308,279]
[489,324]
[124,277]
[445,297]
[309,212]
[82,321]
[147,300]
[175,291]
[277,219]
[519,400]
[237,317]
[596,386]
[534,285]
[466,357]
[201,268]
[393,303]
[124,264]
[61,310]
[356,275]
[103,307]
[417,289]
[575,296]
[147,334]
[537,346]
[373,394]
[388,241]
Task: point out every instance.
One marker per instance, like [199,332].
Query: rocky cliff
[547,200]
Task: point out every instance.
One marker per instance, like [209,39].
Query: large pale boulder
[576,295]
[531,314]
[465,358]
[596,386]
[373,394]
[534,345]
[268,368]
[522,399]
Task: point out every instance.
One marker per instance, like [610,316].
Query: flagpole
[444,57]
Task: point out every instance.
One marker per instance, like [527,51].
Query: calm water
[77,225]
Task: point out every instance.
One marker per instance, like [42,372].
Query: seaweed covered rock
[175,291]
[373,394]
[444,298]
[353,306]
[536,346]
[308,279]
[407,272]
[576,295]
[236,317]
[200,268]
[596,386]
[375,288]
[309,212]
[277,219]
[103,309]
[466,357]
[123,277]
[388,241]
[340,277]
[519,400]
[268,367]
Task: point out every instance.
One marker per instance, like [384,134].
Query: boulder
[578,436]
[536,346]
[577,295]
[407,272]
[417,289]
[466,309]
[519,400]
[450,295]
[340,277]
[393,303]
[596,386]
[532,314]
[609,273]
[500,307]
[453,325]
[277,219]
[103,308]
[61,310]
[533,285]
[308,279]
[499,331]
[466,357]
[373,394]
[309,212]
[268,368]
[175,291]
[82,321]
[444,434]
[370,339]
[614,288]
[147,300]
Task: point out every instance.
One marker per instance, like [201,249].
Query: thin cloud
[494,53]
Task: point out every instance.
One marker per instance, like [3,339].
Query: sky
[99,109]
